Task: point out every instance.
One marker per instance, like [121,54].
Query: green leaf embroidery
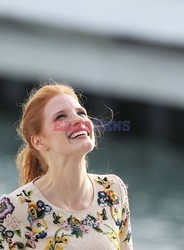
[20,245]
[128,236]
[25,193]
[104,214]
[69,219]
[54,216]
[29,193]
[56,233]
[79,234]
[18,232]
[27,237]
[98,230]
[28,245]
[51,247]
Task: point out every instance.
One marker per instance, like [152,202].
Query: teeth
[82,132]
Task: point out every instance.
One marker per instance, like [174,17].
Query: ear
[38,143]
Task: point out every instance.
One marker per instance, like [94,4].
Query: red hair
[29,161]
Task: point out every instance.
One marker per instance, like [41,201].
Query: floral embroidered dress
[28,220]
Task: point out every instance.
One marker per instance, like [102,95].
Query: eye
[59,116]
[82,112]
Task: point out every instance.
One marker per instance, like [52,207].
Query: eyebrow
[62,111]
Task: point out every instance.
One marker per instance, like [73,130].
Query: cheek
[59,142]
[92,128]
[60,137]
[55,138]
[89,124]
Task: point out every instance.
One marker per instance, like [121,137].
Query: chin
[86,147]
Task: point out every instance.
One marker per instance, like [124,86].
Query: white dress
[28,220]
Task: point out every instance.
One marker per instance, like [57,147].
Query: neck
[66,182]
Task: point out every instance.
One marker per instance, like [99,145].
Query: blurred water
[153,171]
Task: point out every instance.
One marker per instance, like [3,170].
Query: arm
[10,225]
[125,232]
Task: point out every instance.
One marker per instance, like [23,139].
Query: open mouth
[79,134]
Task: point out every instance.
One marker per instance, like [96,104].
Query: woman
[59,205]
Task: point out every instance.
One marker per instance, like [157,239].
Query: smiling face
[76,131]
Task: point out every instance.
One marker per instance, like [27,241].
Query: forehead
[60,102]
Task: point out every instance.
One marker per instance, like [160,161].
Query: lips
[78,131]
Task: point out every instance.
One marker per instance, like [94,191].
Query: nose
[77,120]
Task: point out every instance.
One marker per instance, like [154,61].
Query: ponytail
[29,164]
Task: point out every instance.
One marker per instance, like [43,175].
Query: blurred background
[127,55]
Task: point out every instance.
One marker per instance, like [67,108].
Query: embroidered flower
[24,196]
[76,230]
[103,199]
[57,241]
[21,199]
[39,227]
[31,243]
[99,222]
[6,207]
[30,235]
[113,236]
[75,221]
[36,213]
[12,222]
[107,196]
[102,215]
[48,209]
[89,220]
[84,229]
[9,234]
[125,214]
[9,240]
[31,238]
[116,214]
[112,196]
[58,247]
[33,205]
[65,239]
[75,227]
[49,244]
[40,204]
[32,214]
[106,182]
[58,219]
[65,225]
[62,239]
